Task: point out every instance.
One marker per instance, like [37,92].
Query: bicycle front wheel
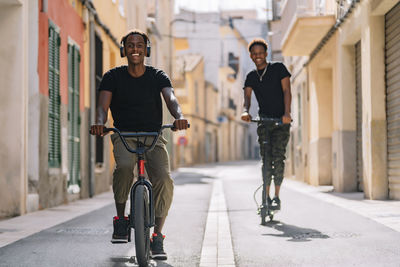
[141,221]
[263,214]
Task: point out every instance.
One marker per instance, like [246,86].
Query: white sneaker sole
[161,257]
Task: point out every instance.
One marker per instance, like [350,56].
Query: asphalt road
[306,232]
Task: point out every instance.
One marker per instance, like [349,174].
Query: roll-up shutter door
[392,57]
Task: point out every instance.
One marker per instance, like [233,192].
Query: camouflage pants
[273,140]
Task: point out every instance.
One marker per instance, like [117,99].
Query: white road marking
[217,250]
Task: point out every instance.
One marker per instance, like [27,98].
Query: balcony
[303,24]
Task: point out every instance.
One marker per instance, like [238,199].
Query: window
[299,116]
[121,8]
[320,7]
[54,155]
[233,62]
[196,97]
[74,118]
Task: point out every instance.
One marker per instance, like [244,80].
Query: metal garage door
[392,47]
[359,154]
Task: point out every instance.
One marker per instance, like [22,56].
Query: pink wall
[61,13]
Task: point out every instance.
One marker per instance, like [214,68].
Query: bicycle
[141,216]
[265,209]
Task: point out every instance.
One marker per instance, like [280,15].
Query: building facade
[53,57]
[345,93]
[19,88]
[227,65]
[200,103]
[189,86]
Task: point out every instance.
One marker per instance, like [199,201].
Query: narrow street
[314,228]
[239,72]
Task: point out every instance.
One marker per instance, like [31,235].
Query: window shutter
[74,115]
[54,155]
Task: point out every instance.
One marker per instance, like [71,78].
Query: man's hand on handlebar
[180,124]
[246,116]
[98,129]
[286,119]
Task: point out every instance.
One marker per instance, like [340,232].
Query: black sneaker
[269,201]
[121,226]
[157,247]
[276,203]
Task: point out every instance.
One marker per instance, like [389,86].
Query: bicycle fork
[142,182]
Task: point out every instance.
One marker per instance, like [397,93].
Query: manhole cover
[83,231]
[309,235]
[343,235]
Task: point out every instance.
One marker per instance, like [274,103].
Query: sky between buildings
[215,5]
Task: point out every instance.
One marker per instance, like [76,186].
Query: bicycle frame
[140,150]
[144,204]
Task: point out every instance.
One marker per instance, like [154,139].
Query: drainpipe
[92,114]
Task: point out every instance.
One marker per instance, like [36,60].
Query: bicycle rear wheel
[142,228]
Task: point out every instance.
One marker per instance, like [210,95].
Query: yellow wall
[110,16]
[194,110]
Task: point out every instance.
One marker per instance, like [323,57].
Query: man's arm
[101,112]
[287,99]
[180,122]
[246,105]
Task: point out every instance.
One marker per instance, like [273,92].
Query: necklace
[262,75]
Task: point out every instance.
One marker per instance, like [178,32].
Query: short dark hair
[132,32]
[258,41]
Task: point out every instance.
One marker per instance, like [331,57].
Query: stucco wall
[13,101]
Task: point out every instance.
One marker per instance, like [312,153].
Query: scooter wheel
[263,215]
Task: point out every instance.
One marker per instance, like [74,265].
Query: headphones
[122,48]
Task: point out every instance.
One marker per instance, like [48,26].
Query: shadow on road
[124,260]
[120,261]
[182,178]
[295,233]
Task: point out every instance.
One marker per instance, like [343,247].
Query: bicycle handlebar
[140,150]
[278,121]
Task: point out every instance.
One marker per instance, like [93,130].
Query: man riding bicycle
[270,82]
[133,93]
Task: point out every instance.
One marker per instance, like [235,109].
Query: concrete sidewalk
[386,212]
[16,228]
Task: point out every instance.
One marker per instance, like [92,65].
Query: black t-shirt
[269,92]
[136,102]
